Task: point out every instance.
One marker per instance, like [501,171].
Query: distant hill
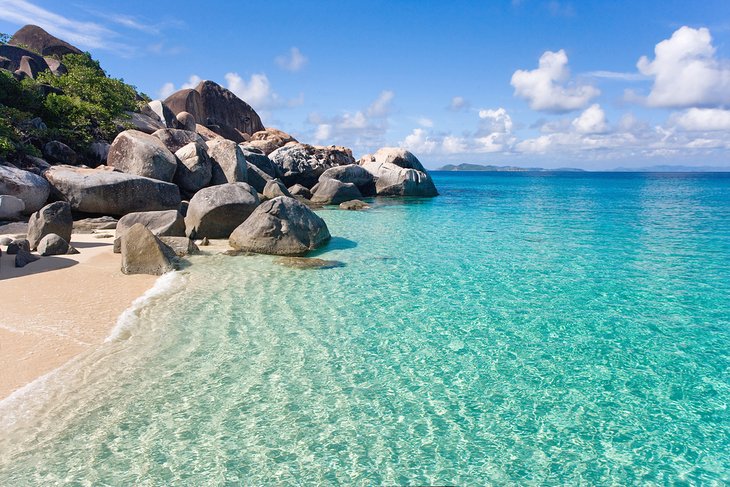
[490,168]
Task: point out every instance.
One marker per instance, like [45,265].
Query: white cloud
[547,88]
[256,91]
[166,90]
[703,119]
[293,61]
[419,142]
[499,120]
[169,88]
[458,103]
[425,122]
[454,145]
[591,121]
[686,72]
[381,106]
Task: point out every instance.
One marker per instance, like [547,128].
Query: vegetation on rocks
[76,108]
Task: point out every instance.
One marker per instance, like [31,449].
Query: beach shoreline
[59,307]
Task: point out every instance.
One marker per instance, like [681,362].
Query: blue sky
[531,82]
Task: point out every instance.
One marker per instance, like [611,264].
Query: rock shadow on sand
[44,264]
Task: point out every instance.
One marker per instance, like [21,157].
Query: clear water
[519,329]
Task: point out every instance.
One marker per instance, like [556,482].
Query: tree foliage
[76,108]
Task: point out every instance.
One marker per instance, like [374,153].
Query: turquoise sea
[520,329]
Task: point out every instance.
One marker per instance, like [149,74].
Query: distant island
[479,167]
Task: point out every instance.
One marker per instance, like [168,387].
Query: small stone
[205,242]
[16,246]
[23,258]
[354,205]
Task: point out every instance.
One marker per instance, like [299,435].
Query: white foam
[164,285]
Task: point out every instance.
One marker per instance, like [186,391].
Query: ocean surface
[522,328]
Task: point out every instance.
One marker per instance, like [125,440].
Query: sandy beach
[57,307]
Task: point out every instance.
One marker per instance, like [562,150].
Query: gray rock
[334,192]
[53,244]
[304,164]
[23,258]
[398,172]
[17,246]
[186,121]
[181,246]
[257,178]
[301,191]
[216,211]
[99,151]
[111,193]
[40,41]
[168,223]
[194,169]
[282,226]
[352,173]
[354,205]
[160,112]
[143,253]
[37,163]
[56,66]
[29,187]
[90,225]
[275,188]
[135,152]
[140,121]
[10,207]
[59,153]
[262,162]
[229,163]
[176,139]
[268,140]
[53,218]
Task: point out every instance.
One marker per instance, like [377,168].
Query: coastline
[59,307]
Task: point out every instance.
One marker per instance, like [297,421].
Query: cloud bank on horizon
[672,103]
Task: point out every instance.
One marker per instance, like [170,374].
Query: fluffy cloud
[169,87]
[293,61]
[703,119]
[419,142]
[591,121]
[548,88]
[686,72]
[498,120]
[363,130]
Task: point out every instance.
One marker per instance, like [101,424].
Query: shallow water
[521,328]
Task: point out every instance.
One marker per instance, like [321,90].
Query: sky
[548,83]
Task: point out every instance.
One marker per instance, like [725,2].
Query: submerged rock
[354,205]
[308,263]
[51,219]
[282,226]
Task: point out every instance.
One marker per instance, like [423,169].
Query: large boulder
[352,173]
[24,60]
[258,159]
[53,244]
[141,121]
[176,139]
[300,191]
[10,207]
[275,188]
[398,172]
[270,139]
[194,169]
[186,121]
[53,218]
[229,163]
[40,41]
[110,192]
[167,223]
[98,152]
[57,152]
[218,109]
[24,185]
[304,164]
[143,253]
[334,192]
[257,178]
[282,226]
[160,112]
[135,152]
[181,246]
[216,211]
